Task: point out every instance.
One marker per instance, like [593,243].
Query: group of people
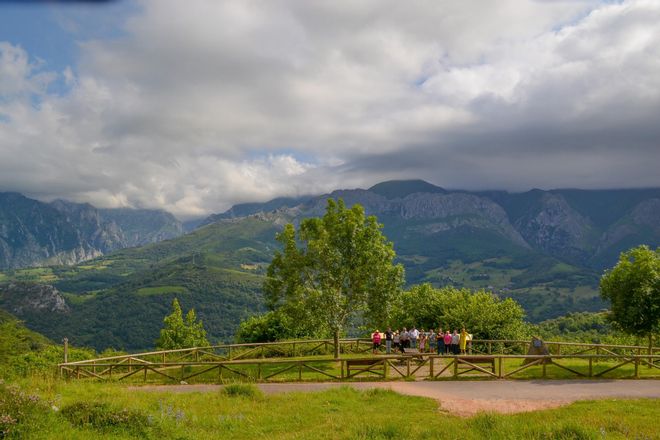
[425,341]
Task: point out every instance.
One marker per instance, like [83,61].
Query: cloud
[198,105]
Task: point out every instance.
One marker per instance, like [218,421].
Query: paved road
[469,397]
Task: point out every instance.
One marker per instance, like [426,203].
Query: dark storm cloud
[472,94]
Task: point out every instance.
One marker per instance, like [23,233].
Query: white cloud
[206,103]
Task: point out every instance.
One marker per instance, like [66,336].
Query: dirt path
[466,398]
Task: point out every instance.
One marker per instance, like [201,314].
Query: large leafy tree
[633,289]
[178,332]
[482,313]
[332,269]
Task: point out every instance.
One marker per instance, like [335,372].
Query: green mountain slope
[120,300]
[543,248]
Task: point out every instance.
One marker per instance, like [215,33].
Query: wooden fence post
[66,349]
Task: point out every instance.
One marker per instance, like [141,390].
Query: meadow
[82,410]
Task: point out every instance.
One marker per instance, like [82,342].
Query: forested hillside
[546,249]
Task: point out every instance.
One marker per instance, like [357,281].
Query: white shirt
[414,333]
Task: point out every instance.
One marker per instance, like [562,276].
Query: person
[447,341]
[396,339]
[422,341]
[440,338]
[463,340]
[375,338]
[469,343]
[405,339]
[455,339]
[432,339]
[388,340]
[414,334]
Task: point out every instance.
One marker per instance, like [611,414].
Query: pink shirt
[447,339]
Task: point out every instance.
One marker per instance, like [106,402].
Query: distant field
[145,291]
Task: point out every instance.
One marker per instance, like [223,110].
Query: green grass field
[242,412]
[160,290]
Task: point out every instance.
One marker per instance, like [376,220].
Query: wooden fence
[275,362]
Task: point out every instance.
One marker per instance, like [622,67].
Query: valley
[546,250]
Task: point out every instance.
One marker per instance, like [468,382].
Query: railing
[268,361]
[382,367]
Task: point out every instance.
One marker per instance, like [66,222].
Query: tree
[343,267]
[269,327]
[633,289]
[482,313]
[180,333]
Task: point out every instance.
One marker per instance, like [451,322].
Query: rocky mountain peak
[22,298]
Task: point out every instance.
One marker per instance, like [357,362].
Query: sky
[193,106]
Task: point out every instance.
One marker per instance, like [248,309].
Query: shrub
[17,409]
[242,390]
[103,417]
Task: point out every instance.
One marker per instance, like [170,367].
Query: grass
[243,412]
[37,274]
[160,290]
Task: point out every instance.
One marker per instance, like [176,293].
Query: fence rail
[275,361]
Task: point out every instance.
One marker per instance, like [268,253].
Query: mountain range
[546,249]
[34,233]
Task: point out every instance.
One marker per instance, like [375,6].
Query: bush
[103,417]
[44,362]
[269,327]
[242,390]
[17,409]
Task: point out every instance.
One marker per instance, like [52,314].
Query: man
[414,334]
[388,340]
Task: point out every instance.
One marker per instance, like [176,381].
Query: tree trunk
[336,340]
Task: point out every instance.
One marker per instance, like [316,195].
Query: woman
[375,338]
[422,340]
[447,340]
[463,340]
[455,340]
